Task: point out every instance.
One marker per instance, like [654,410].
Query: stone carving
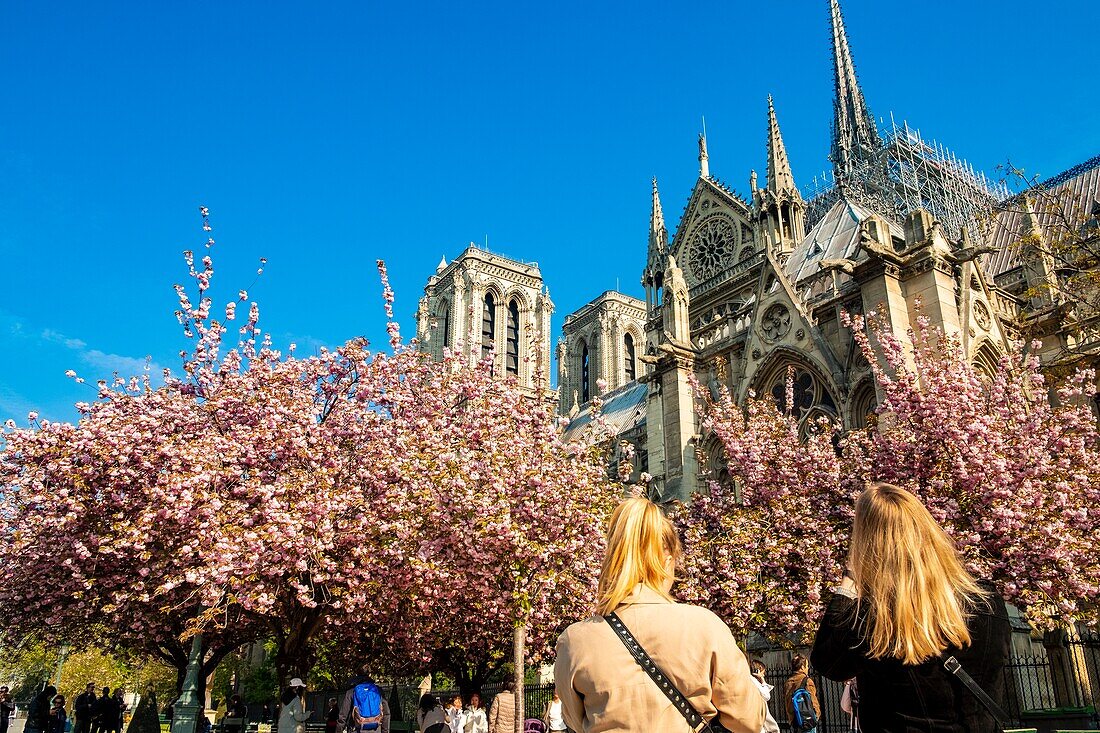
[776,322]
[712,248]
[981,315]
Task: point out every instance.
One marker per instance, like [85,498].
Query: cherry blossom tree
[506,521]
[1010,468]
[761,548]
[1008,464]
[353,494]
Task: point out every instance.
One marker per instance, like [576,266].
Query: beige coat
[502,713]
[603,689]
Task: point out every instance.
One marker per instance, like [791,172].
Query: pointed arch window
[810,400]
[628,357]
[586,374]
[445,323]
[488,325]
[511,363]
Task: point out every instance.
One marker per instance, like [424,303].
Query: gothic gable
[714,234]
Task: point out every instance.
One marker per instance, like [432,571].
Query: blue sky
[323,137]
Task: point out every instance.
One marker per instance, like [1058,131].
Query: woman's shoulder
[595,626]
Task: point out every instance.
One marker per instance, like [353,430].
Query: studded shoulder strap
[698,723]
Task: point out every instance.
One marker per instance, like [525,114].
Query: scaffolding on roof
[908,173]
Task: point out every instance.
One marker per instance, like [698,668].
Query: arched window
[628,356]
[586,375]
[511,363]
[488,325]
[445,322]
[810,400]
[864,404]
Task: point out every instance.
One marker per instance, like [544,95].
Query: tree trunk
[519,641]
[294,656]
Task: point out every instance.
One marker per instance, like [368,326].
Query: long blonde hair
[909,574]
[640,539]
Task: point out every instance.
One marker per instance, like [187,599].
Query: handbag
[697,722]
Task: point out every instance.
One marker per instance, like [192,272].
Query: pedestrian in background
[502,713]
[476,719]
[905,607]
[801,680]
[101,711]
[456,716]
[430,717]
[332,716]
[758,669]
[84,708]
[552,716]
[7,709]
[294,713]
[57,715]
[600,683]
[38,713]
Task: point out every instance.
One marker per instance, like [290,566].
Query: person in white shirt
[476,719]
[456,718]
[757,667]
[552,715]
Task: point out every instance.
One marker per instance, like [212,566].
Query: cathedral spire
[855,138]
[658,233]
[779,167]
[704,159]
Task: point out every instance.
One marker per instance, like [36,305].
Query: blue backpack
[803,703]
[366,713]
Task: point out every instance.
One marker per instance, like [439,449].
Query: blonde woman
[906,605]
[603,688]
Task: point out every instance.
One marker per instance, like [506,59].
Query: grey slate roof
[1081,187]
[836,236]
[623,409]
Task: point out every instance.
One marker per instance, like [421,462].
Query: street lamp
[189,707]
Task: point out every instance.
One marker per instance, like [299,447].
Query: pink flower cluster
[417,511]
[1008,465]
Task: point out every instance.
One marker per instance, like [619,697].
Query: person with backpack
[644,662]
[364,708]
[800,693]
[907,618]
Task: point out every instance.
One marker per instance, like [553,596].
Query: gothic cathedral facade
[749,289]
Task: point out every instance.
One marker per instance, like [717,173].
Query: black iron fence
[1063,681]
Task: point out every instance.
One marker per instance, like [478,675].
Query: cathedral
[747,288]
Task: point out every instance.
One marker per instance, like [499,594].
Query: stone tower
[601,342]
[488,306]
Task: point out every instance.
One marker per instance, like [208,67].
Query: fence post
[1063,672]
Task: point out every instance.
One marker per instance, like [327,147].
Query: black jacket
[38,714]
[921,697]
[85,705]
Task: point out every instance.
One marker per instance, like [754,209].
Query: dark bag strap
[953,666]
[698,723]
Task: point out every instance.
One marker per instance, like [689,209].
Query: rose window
[712,248]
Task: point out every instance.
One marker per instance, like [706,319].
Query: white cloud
[126,366]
